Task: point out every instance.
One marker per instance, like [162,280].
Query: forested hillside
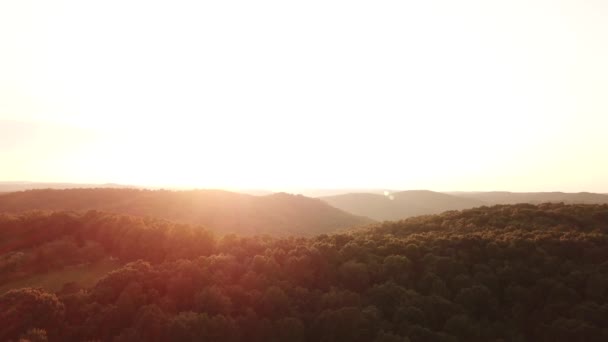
[400,205]
[220,211]
[504,273]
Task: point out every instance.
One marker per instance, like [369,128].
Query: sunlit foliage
[504,273]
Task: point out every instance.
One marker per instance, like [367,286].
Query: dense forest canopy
[220,211]
[504,273]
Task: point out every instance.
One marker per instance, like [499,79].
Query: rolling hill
[404,204]
[220,211]
[503,273]
[504,197]
[400,205]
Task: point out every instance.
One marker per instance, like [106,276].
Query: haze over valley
[228,211]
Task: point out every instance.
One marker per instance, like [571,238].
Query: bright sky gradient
[441,95]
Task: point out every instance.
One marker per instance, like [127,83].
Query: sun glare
[327,93]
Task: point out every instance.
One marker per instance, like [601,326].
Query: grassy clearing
[83,275]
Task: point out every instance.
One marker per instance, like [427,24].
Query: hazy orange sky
[440,95]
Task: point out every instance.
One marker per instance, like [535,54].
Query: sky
[440,95]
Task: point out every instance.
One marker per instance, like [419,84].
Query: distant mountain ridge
[13,186]
[505,197]
[219,211]
[376,204]
[400,205]
[405,204]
